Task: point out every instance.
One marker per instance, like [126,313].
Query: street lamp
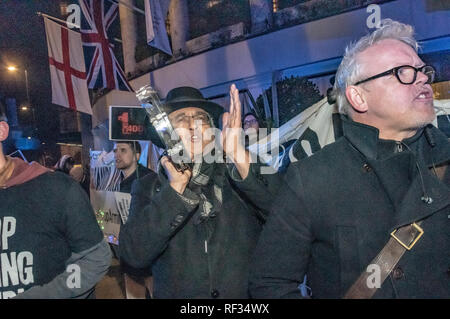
[13,68]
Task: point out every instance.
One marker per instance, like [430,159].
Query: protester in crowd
[82,176]
[52,246]
[251,126]
[367,215]
[138,282]
[127,155]
[191,227]
[250,120]
[66,164]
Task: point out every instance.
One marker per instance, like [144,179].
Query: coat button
[215,293]
[398,273]
[367,168]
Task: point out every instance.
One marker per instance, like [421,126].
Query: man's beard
[422,122]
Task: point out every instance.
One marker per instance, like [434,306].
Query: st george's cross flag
[67,69]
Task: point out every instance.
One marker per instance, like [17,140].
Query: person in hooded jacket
[51,243]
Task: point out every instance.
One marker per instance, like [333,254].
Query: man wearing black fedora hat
[193,227]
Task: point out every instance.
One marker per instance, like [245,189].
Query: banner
[111,210]
[315,127]
[104,174]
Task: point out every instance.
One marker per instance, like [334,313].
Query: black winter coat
[125,185]
[337,211]
[191,260]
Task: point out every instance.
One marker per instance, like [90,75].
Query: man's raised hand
[232,138]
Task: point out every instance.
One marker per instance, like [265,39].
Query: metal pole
[26,85]
[29,101]
[69,24]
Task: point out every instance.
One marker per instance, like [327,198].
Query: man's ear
[4,131]
[356,98]
[138,156]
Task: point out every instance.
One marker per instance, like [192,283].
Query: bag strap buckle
[418,235]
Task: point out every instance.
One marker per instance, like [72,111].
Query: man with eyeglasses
[193,227]
[367,216]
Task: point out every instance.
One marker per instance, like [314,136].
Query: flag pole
[58,20]
[68,23]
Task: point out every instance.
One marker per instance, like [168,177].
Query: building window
[69,121]
[206,16]
[281,4]
[291,12]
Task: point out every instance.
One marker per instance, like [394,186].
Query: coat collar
[363,137]
[405,176]
[366,140]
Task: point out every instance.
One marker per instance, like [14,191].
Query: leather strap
[440,171]
[386,261]
[390,255]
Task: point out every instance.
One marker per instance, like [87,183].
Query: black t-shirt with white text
[42,222]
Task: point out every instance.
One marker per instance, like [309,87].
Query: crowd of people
[366,216]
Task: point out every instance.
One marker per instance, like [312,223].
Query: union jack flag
[104,71]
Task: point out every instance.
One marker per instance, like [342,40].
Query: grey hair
[349,71]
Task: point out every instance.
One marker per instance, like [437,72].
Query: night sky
[23,43]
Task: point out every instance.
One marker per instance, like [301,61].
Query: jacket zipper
[399,147]
[208,232]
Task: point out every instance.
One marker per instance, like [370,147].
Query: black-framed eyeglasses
[250,122]
[405,74]
[185,120]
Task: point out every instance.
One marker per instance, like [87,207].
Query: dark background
[23,44]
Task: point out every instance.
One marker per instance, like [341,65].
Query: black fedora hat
[185,96]
[182,97]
